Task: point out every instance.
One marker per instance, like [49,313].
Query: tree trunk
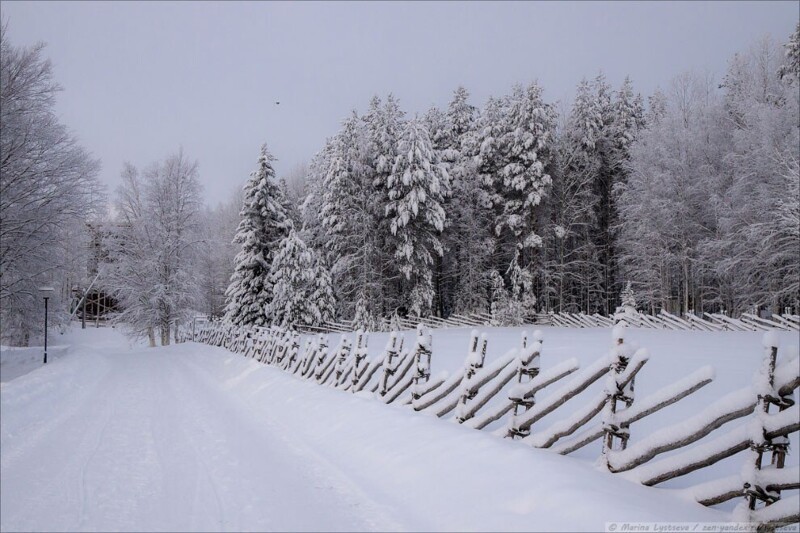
[151,337]
[165,335]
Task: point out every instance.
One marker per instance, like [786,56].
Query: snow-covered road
[143,440]
[115,437]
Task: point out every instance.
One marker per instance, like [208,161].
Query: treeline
[48,191]
[692,197]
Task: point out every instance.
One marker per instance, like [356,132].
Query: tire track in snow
[179,389]
[98,443]
[317,468]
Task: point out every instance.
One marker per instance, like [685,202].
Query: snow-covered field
[115,436]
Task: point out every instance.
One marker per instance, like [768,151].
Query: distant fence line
[516,382]
[662,320]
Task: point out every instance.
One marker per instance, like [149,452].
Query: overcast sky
[143,78]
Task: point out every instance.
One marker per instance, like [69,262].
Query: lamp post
[45,292]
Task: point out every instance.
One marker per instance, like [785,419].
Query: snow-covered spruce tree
[311,204]
[363,318]
[349,219]
[628,307]
[468,239]
[605,209]
[415,189]
[512,307]
[790,70]
[302,294]
[515,152]
[523,180]
[436,123]
[384,125]
[264,223]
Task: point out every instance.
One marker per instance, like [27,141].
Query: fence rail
[513,393]
[662,320]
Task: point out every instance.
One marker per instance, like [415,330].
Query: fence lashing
[447,388]
[528,367]
[282,350]
[292,361]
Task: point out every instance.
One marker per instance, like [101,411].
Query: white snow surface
[114,436]
[195,438]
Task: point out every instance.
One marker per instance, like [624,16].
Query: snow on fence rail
[663,320]
[515,386]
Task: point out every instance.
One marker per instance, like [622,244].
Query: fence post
[528,365]
[764,385]
[360,355]
[616,391]
[318,356]
[391,350]
[475,360]
[422,360]
[344,351]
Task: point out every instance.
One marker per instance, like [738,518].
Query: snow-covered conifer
[301,285]
[264,223]
[522,180]
[350,218]
[792,66]
[468,239]
[416,189]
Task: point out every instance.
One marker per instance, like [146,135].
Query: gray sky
[143,78]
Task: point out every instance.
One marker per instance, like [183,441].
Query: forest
[690,195]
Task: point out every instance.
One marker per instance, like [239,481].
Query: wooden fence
[662,320]
[665,320]
[515,389]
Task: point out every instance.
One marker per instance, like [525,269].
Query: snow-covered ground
[115,436]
